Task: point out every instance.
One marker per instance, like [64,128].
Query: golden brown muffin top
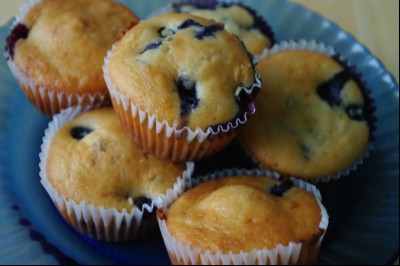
[237,20]
[91,158]
[310,120]
[241,214]
[67,42]
[184,69]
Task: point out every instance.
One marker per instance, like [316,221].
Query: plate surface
[363,207]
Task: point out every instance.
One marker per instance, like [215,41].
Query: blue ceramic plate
[364,207]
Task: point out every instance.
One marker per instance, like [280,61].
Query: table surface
[373,23]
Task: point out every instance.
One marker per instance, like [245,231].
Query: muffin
[181,85]
[101,182]
[314,115]
[238,19]
[56,50]
[247,219]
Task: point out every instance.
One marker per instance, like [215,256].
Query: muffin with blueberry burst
[101,182]
[56,50]
[238,19]
[314,115]
[181,85]
[246,219]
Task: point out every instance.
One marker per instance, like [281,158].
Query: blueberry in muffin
[237,18]
[186,75]
[314,115]
[235,219]
[89,165]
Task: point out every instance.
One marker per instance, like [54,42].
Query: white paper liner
[282,254]
[170,145]
[312,45]
[47,101]
[96,221]
[302,45]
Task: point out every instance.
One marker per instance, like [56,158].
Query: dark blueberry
[279,189]
[189,23]
[79,133]
[204,31]
[208,31]
[330,90]
[152,46]
[259,22]
[20,31]
[140,201]
[187,94]
[356,112]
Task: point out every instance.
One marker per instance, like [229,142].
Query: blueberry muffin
[245,216]
[238,18]
[181,85]
[56,50]
[314,117]
[91,162]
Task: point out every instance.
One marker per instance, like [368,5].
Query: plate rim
[5,112]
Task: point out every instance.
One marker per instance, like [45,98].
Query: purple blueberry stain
[20,31]
[79,133]
[279,189]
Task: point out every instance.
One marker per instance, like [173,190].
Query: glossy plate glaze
[363,207]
